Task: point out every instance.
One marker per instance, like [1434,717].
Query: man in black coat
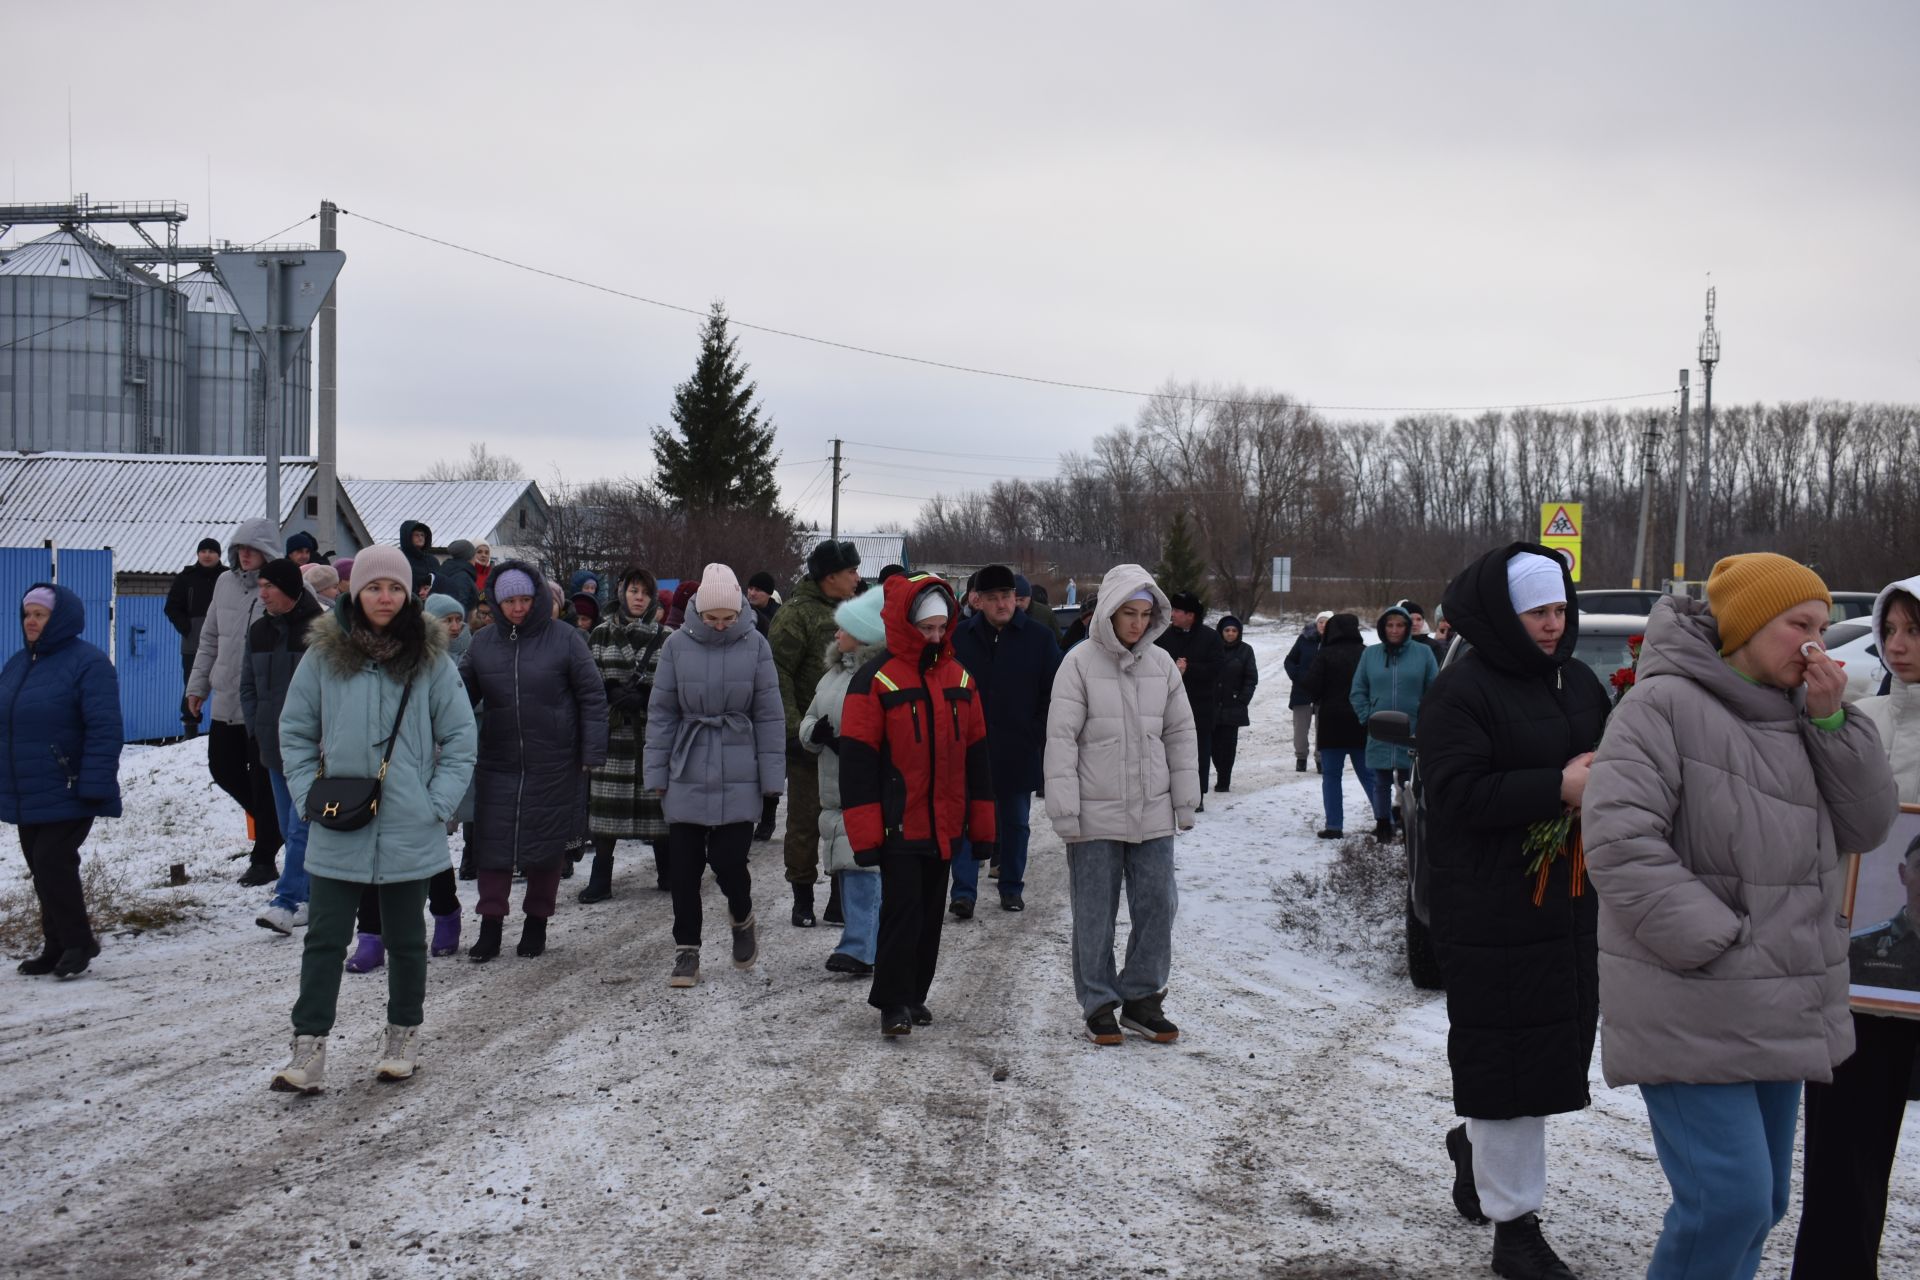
[1298,662]
[188,596]
[1196,650]
[1506,736]
[276,642]
[1013,659]
[760,591]
[1327,686]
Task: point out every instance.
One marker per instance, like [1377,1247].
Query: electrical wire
[980,372]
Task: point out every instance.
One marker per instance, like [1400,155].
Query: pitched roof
[69,256]
[152,509]
[453,509]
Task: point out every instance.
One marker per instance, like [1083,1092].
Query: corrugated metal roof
[151,509]
[453,509]
[204,292]
[68,256]
[877,550]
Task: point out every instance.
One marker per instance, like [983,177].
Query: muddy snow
[573,1117]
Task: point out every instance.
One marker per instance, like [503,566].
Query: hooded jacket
[339,711]
[1239,678]
[1717,817]
[836,851]
[1392,677]
[1123,756]
[223,633]
[1328,686]
[545,721]
[1013,666]
[716,733]
[275,644]
[1896,713]
[455,578]
[800,633]
[915,775]
[189,596]
[1496,730]
[60,731]
[419,557]
[441,607]
[1299,661]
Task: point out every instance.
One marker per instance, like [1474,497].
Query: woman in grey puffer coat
[716,744]
[1728,788]
[544,727]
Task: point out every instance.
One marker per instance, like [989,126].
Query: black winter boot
[42,963]
[1299,764]
[259,873]
[487,946]
[1383,832]
[1520,1252]
[803,906]
[833,915]
[660,866]
[1466,1196]
[599,879]
[533,937]
[467,870]
[769,810]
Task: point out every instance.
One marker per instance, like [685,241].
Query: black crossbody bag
[348,804]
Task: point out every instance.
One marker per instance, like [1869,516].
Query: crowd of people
[1673,859]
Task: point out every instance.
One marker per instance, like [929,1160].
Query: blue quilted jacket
[60,725]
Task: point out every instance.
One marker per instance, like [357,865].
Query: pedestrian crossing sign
[1560,520]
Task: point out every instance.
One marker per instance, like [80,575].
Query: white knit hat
[932,603]
[719,589]
[1534,580]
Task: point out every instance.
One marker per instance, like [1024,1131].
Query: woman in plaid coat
[626,649]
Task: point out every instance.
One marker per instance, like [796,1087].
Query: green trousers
[803,820]
[331,908]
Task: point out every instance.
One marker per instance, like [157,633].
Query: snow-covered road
[572,1117]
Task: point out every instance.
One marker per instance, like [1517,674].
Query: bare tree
[479,464]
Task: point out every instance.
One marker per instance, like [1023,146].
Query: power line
[985,373]
[954,453]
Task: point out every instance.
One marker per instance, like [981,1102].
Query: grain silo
[92,350]
[226,382]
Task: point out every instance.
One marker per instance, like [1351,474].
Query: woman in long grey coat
[716,744]
[544,728]
[1728,789]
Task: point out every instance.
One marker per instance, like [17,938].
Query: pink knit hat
[719,589]
[381,562]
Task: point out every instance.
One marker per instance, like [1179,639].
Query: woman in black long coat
[1506,734]
[1232,695]
[1340,736]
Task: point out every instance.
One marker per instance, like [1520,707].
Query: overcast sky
[1401,204]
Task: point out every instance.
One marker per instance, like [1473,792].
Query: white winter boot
[307,1073]
[396,1061]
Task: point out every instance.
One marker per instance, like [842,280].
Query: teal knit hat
[860,617]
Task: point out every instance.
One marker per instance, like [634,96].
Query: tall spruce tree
[719,455]
[1181,568]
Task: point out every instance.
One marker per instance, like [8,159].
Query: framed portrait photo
[1883,908]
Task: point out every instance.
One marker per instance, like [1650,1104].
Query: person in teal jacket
[1394,675]
[361,659]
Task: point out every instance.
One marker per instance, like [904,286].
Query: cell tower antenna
[1709,357]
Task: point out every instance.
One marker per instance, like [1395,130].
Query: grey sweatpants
[1302,725]
[1095,871]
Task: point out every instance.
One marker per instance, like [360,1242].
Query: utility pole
[326,473]
[1647,448]
[835,532]
[1709,356]
[1680,512]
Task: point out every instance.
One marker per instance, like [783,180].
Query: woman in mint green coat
[374,649]
[1393,675]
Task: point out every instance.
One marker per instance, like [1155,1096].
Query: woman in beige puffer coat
[1721,802]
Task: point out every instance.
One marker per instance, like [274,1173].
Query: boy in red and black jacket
[914,783]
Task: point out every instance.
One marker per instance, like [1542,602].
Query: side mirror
[1391,727]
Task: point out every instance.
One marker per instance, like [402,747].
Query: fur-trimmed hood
[327,642]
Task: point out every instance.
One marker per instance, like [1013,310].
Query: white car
[1852,644]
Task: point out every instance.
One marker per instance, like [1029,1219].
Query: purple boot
[446,934]
[368,956]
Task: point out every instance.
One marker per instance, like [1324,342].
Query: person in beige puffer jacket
[1729,785]
[1123,775]
[1853,1125]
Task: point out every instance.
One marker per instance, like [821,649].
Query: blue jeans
[292,889]
[1727,1150]
[1012,814]
[1332,766]
[860,906]
[1385,782]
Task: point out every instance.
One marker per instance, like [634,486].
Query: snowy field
[572,1117]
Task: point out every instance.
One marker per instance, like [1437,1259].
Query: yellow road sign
[1560,520]
[1570,549]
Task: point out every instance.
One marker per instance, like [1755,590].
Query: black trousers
[233,759]
[443,899]
[1225,745]
[53,859]
[691,849]
[188,721]
[1203,738]
[1853,1128]
[913,903]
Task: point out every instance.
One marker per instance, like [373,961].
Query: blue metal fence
[20,568]
[147,654]
[89,575]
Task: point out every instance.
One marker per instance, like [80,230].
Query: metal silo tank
[91,350]
[226,383]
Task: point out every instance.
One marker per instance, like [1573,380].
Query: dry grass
[1355,909]
[115,904]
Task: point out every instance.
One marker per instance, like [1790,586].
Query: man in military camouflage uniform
[1888,955]
[801,633]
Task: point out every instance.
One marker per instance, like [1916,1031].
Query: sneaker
[1332,833]
[746,943]
[446,934]
[686,967]
[396,1058]
[369,955]
[962,908]
[259,873]
[921,1015]
[1466,1196]
[896,1021]
[1102,1029]
[1012,902]
[841,962]
[281,920]
[307,1073]
[533,938]
[1144,1017]
[1520,1252]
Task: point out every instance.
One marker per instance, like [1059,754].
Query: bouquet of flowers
[1545,843]
[1623,679]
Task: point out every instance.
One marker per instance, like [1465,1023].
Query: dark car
[1618,600]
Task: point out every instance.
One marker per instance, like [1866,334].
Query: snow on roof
[453,509]
[877,550]
[152,509]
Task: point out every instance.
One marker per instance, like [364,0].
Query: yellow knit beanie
[1747,592]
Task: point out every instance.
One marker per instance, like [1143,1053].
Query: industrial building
[102,350]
